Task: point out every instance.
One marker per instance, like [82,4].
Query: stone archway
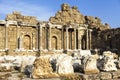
[54,42]
[27,42]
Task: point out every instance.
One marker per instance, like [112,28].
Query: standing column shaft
[33,41]
[62,39]
[6,36]
[79,38]
[90,31]
[87,40]
[17,45]
[40,37]
[67,39]
[50,38]
[80,42]
[20,41]
[75,38]
[37,37]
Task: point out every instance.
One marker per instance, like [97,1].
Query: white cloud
[41,12]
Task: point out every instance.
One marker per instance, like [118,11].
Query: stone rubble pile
[70,15]
[55,65]
[62,64]
[8,63]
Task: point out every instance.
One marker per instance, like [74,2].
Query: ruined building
[68,30]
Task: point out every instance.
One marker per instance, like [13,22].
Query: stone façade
[68,30]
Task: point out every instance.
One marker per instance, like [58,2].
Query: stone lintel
[26,24]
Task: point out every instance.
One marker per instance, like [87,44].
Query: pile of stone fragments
[79,63]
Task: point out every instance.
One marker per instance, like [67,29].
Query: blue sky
[107,10]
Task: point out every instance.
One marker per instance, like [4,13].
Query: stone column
[75,38]
[17,37]
[62,38]
[87,40]
[40,37]
[32,41]
[37,37]
[67,39]
[20,41]
[46,39]
[49,37]
[79,38]
[80,43]
[90,32]
[6,35]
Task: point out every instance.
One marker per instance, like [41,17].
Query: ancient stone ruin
[68,46]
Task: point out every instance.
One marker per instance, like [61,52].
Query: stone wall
[107,39]
[2,37]
[17,16]
[68,15]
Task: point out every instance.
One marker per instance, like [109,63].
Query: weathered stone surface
[95,22]
[105,76]
[110,54]
[17,16]
[62,64]
[6,67]
[68,15]
[109,65]
[43,68]
[90,65]
[27,61]
[118,63]
[116,75]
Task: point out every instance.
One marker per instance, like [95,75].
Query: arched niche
[54,42]
[27,42]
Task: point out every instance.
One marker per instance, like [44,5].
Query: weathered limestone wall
[17,16]
[107,39]
[11,37]
[2,37]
